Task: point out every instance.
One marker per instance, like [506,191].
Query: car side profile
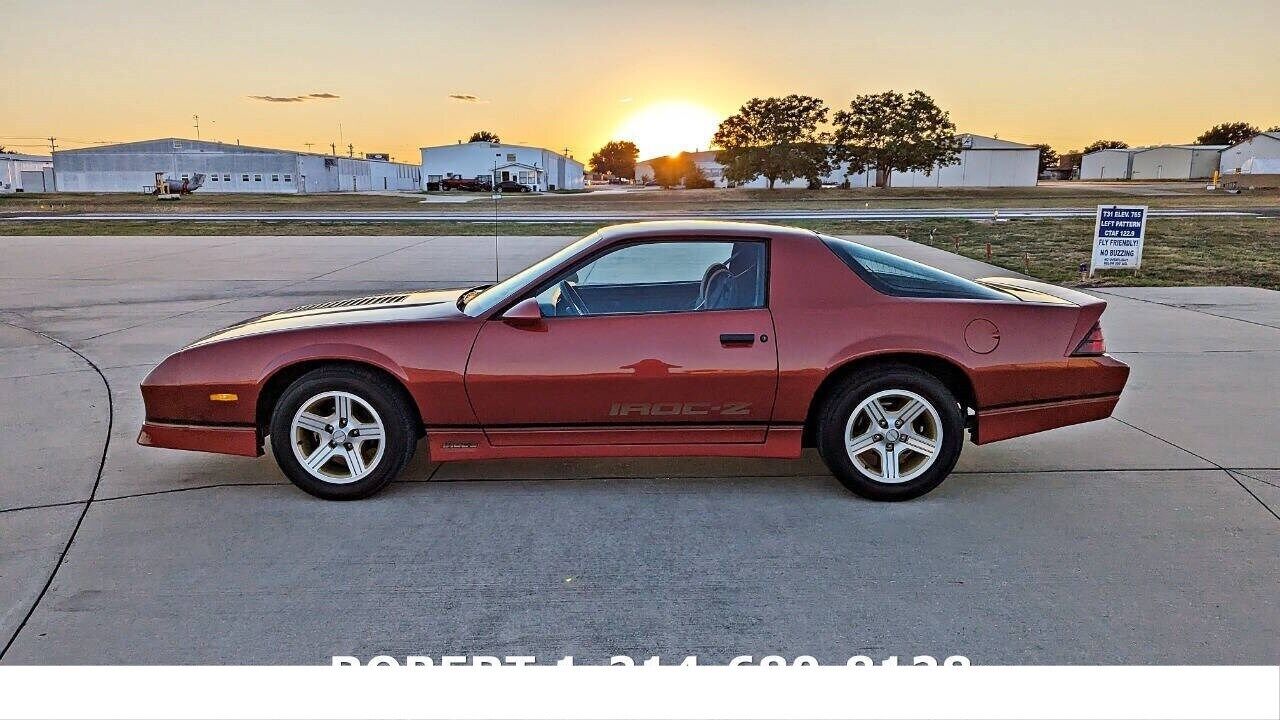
[682,338]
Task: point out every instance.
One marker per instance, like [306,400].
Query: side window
[663,276]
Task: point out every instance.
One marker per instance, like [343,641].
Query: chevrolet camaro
[651,339]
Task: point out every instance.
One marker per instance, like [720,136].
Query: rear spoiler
[1031,291]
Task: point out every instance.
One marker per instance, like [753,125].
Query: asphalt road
[1147,538]
[554,217]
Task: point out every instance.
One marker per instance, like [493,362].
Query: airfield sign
[1117,237]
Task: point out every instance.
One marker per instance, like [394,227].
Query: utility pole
[351,150]
[333,149]
[308,146]
[52,145]
[197,119]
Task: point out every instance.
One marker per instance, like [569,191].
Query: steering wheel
[570,293]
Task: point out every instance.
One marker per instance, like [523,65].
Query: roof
[199,146]
[1180,147]
[700,227]
[499,145]
[1120,150]
[1271,135]
[25,158]
[698,156]
[982,142]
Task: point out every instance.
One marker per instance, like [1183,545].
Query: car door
[665,341]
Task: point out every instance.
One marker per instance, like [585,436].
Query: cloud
[462,97]
[295,98]
[625,100]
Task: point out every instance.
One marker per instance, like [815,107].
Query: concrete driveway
[1147,538]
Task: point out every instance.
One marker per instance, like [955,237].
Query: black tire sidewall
[400,436]
[835,415]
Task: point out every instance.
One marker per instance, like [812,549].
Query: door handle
[737,338]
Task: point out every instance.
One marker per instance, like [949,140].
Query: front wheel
[342,433]
[893,433]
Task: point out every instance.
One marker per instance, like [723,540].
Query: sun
[666,128]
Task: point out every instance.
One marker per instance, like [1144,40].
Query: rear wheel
[342,433]
[893,433]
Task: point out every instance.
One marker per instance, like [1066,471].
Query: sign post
[1117,237]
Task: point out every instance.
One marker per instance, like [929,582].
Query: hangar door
[33,181]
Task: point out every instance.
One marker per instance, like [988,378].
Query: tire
[885,468]
[345,467]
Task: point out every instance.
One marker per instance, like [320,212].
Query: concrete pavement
[1149,537]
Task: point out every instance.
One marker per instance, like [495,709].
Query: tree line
[783,139]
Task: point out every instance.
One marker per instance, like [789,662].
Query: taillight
[1092,344]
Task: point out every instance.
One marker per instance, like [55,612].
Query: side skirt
[445,444]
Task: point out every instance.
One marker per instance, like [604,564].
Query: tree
[484,136]
[1070,159]
[775,137]
[1048,156]
[1227,134]
[1274,129]
[672,170]
[1097,145]
[695,179]
[891,132]
[617,157]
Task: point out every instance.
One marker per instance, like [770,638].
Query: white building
[982,162]
[25,173]
[1109,164]
[1259,155]
[132,167]
[1175,162]
[536,168]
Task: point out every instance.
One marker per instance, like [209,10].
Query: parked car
[662,338]
[513,186]
[467,184]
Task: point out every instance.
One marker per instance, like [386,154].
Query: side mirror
[526,314]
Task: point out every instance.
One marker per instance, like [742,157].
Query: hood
[391,307]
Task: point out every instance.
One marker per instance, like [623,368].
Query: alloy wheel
[893,436]
[338,437]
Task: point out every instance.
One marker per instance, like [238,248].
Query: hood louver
[350,303]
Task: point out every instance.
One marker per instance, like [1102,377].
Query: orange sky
[575,74]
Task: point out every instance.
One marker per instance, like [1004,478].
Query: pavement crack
[42,506]
[1184,307]
[97,480]
[1220,467]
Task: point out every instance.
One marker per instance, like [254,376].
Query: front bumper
[225,439]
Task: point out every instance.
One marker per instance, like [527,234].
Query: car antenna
[493,193]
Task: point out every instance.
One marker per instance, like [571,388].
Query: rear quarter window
[893,275]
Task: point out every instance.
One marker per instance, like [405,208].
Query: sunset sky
[576,74]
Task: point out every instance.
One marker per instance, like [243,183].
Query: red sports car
[664,338]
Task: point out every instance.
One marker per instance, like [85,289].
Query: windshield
[494,295]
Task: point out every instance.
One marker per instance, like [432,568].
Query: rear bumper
[1005,423]
[225,439]
[1096,387]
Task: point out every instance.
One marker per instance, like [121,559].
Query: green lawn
[1178,251]
[1165,195]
